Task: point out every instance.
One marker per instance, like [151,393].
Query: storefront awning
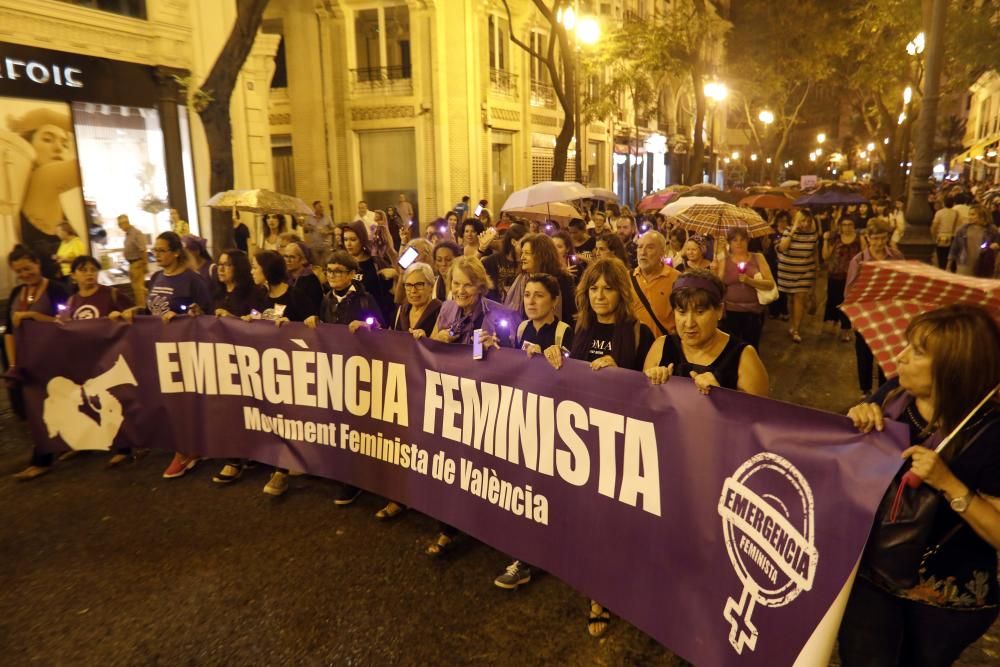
[978,150]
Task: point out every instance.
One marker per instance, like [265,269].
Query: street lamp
[583,30]
[907,95]
[916,45]
[821,137]
[812,157]
[717,92]
[819,151]
[766,117]
[871,146]
[736,155]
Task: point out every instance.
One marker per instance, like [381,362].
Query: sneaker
[180,465]
[229,473]
[517,573]
[348,494]
[277,485]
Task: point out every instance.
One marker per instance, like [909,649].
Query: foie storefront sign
[30,72]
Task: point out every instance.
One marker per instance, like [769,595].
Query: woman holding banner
[236,294]
[607,335]
[927,583]
[176,289]
[699,349]
[469,311]
[35,298]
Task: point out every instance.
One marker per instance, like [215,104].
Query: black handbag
[900,544]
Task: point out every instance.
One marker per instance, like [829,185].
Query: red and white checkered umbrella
[887,295]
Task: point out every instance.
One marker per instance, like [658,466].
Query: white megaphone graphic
[64,398]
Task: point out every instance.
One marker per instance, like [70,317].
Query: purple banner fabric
[724,526]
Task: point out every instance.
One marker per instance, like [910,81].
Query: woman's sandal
[390,511]
[796,338]
[441,546]
[599,619]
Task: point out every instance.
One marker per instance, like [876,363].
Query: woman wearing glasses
[421,308]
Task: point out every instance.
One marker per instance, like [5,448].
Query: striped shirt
[797,264]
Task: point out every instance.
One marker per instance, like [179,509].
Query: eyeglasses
[337,272]
[415,286]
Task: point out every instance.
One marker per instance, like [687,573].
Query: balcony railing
[543,95]
[380,80]
[503,82]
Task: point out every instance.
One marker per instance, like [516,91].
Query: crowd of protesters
[616,290]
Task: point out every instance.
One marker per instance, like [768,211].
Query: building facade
[982,131]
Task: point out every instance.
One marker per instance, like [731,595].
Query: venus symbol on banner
[768,521]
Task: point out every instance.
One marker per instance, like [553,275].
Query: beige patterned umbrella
[710,217]
[259,201]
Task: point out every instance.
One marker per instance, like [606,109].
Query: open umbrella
[654,201]
[259,201]
[546,192]
[603,194]
[704,215]
[887,295]
[716,194]
[767,201]
[831,195]
[558,211]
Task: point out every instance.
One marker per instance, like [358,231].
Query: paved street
[121,567]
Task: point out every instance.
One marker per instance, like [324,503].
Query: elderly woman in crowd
[743,273]
[699,349]
[307,292]
[34,298]
[923,599]
[797,264]
[425,254]
[694,254]
[421,308]
[461,316]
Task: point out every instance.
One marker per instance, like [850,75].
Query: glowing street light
[902,118]
[907,95]
[916,45]
[716,91]
[588,30]
[768,160]
[821,137]
[819,151]
[886,141]
[753,157]
[736,155]
[766,117]
[567,17]
[871,146]
[812,157]
[863,155]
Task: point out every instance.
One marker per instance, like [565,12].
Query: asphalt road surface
[121,567]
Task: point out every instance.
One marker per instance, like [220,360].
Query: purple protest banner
[724,526]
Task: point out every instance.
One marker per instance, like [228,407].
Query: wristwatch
[962,503]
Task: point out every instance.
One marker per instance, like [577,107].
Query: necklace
[914,416]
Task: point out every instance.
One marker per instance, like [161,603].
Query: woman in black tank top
[699,350]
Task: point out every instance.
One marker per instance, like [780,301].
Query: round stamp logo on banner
[768,520]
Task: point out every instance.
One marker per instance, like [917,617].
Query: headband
[695,282]
[700,241]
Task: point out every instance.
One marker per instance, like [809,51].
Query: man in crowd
[652,282]
[318,233]
[598,223]
[625,227]
[462,208]
[583,243]
[364,215]
[405,210]
[135,253]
